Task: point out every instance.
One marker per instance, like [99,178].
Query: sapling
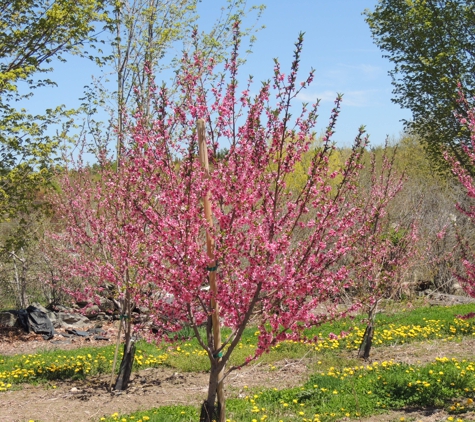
[382,255]
[465,173]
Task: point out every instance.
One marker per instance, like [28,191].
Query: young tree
[467,207]
[217,246]
[382,255]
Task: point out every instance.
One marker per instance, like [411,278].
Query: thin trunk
[367,341]
[216,383]
[209,411]
[20,279]
[125,369]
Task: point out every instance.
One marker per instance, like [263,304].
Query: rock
[102,338]
[102,316]
[51,315]
[142,310]
[53,319]
[8,319]
[446,299]
[72,319]
[40,307]
[92,311]
[107,305]
[61,342]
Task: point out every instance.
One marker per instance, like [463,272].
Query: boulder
[50,314]
[107,305]
[8,319]
[39,307]
[72,319]
[102,316]
[91,311]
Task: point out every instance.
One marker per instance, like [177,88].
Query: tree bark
[365,346]
[367,341]
[210,410]
[126,364]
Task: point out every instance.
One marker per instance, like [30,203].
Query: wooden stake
[210,245]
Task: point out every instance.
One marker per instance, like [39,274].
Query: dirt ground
[88,400]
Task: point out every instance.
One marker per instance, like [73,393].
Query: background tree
[380,261]
[430,44]
[147,39]
[32,36]
[428,197]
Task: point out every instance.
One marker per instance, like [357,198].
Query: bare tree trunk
[367,341]
[126,364]
[125,370]
[209,410]
[20,280]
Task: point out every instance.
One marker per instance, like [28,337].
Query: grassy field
[339,387]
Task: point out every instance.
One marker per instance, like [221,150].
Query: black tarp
[33,319]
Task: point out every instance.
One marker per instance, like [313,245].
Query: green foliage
[346,392]
[32,34]
[187,356]
[430,45]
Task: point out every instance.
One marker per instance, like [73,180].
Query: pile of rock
[67,319]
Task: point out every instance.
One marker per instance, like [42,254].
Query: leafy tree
[430,43]
[218,247]
[32,35]
[147,38]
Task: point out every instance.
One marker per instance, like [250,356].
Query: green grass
[339,388]
[347,392]
[187,356]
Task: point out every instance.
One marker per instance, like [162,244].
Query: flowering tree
[465,173]
[102,243]
[216,246]
[382,255]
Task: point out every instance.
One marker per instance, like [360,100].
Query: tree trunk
[367,341]
[210,410]
[126,364]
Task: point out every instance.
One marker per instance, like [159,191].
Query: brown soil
[88,400]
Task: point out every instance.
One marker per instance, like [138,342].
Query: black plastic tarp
[33,319]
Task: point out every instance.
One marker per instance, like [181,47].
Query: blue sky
[338,45]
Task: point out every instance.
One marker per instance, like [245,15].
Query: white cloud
[368,70]
[359,98]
